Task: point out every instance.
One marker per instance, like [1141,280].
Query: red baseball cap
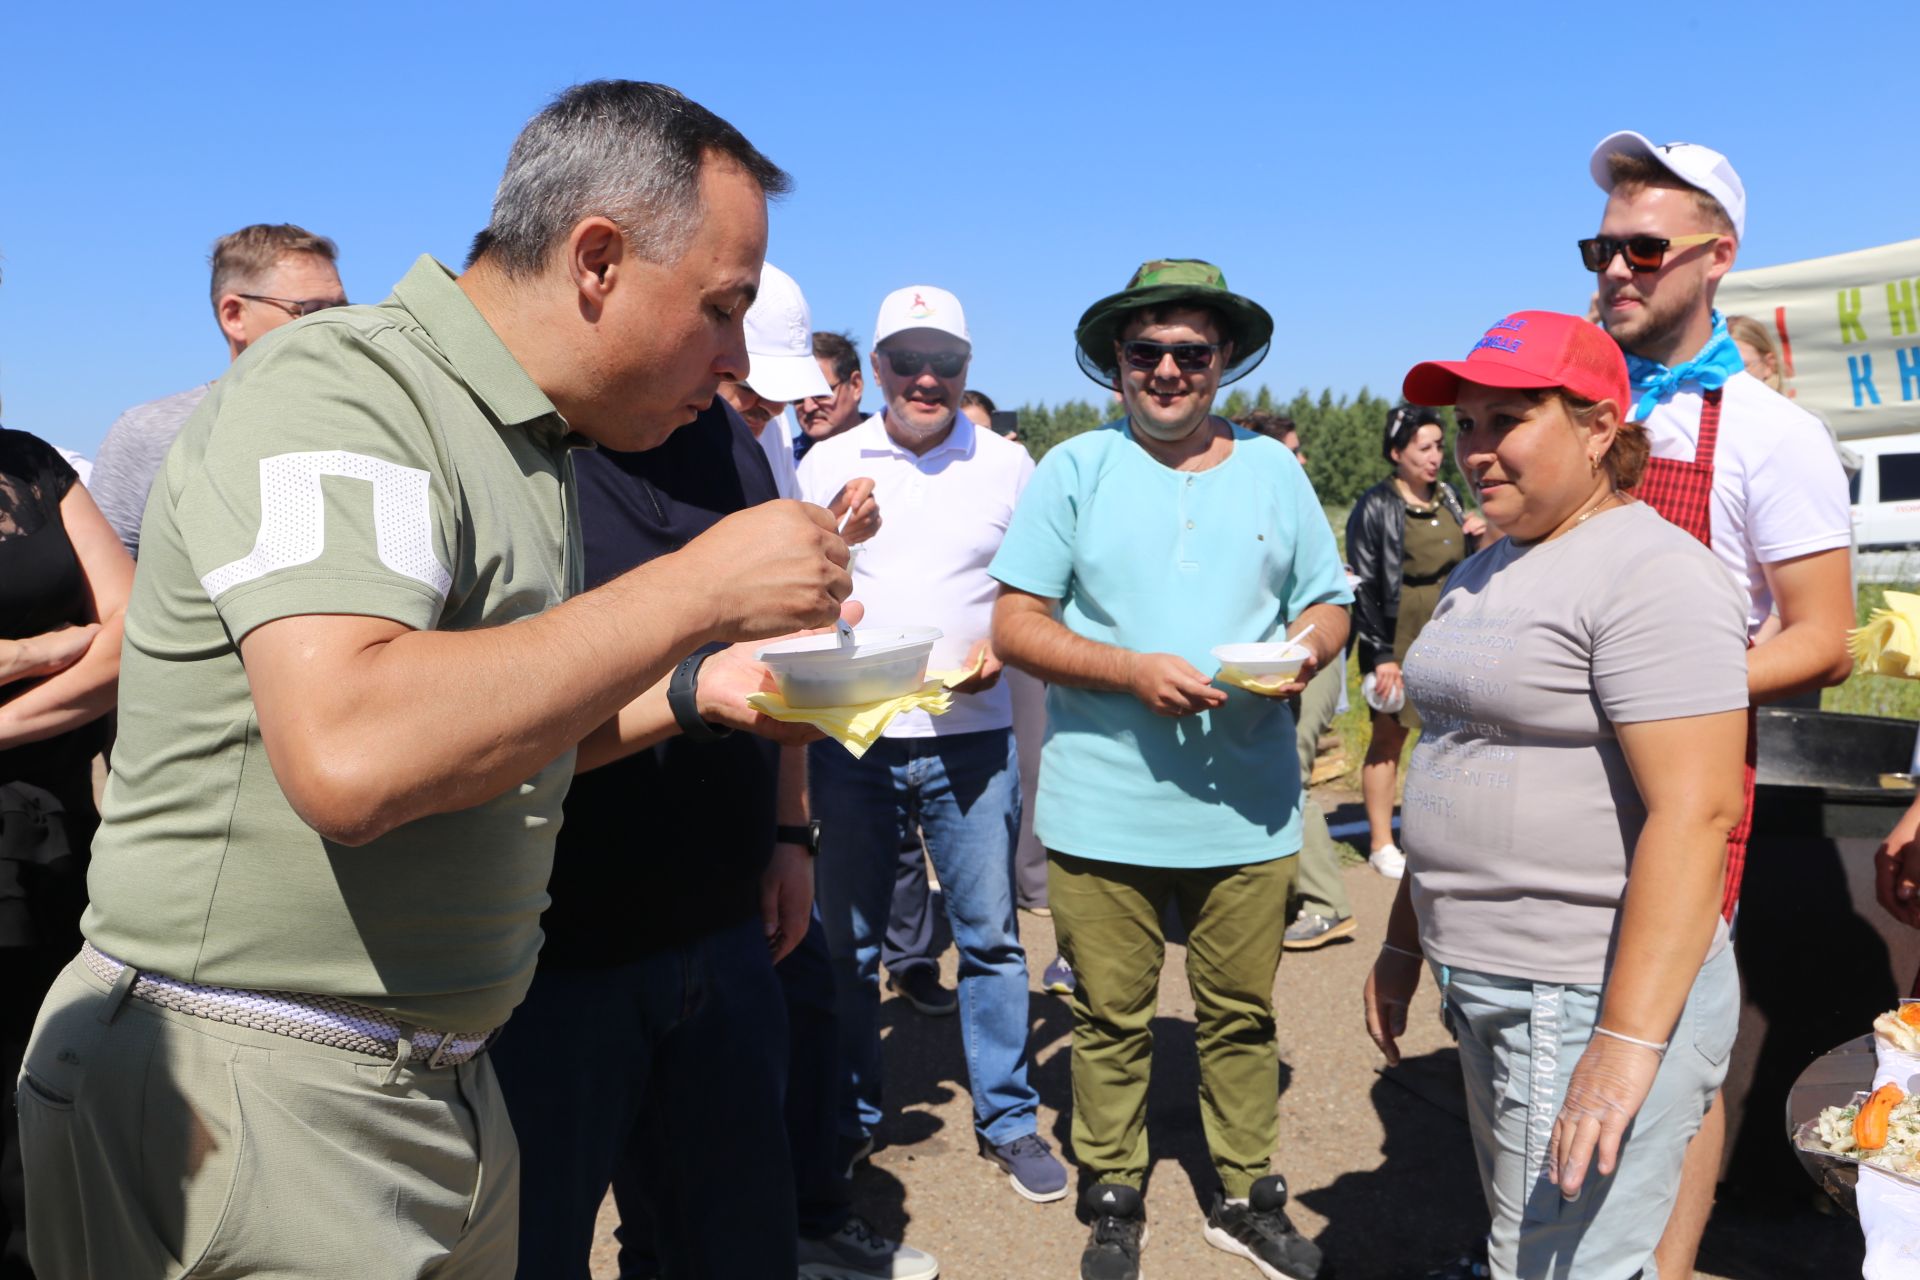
[1530,349]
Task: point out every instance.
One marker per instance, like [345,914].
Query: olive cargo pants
[1107,915]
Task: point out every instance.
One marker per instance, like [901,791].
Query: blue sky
[1384,178]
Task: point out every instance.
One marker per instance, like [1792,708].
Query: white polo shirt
[1778,490]
[778,446]
[942,516]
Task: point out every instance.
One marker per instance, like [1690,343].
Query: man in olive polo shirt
[353,687]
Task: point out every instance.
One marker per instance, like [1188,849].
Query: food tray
[1838,1175]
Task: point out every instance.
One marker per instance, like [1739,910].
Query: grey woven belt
[326,1020]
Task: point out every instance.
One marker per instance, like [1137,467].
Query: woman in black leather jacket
[1404,537]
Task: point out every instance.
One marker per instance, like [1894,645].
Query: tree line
[1339,435]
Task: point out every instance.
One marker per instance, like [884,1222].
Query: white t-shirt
[942,516]
[1778,490]
[778,446]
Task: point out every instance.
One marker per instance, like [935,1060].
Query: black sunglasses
[1645,254]
[1188,357]
[908,364]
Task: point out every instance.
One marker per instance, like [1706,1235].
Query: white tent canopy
[1849,332]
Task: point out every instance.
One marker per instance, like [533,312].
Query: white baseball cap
[920,306]
[1699,167]
[780,363]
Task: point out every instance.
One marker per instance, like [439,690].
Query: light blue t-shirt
[1164,561]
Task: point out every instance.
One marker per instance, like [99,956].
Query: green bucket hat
[1166,282]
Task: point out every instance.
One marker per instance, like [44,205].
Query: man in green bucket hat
[1137,549]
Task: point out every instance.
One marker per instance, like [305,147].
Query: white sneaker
[1389,861]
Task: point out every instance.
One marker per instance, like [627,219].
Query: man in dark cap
[1136,549]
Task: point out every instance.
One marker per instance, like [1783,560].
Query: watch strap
[681,700]
[807,837]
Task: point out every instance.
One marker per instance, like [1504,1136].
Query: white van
[1886,492]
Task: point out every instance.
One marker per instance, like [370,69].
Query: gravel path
[1380,1164]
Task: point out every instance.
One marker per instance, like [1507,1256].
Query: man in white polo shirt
[1734,463]
[949,491]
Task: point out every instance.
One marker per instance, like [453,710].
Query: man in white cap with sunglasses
[1737,465]
[949,492]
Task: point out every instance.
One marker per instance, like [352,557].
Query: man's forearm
[1803,657]
[1041,645]
[642,723]
[790,801]
[429,722]
[1330,623]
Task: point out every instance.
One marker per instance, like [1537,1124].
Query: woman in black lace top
[64,579]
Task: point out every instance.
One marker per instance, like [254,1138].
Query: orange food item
[1870,1126]
[1910,1014]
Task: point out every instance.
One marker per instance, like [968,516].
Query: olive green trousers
[1107,916]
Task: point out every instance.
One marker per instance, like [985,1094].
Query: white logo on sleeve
[293,518]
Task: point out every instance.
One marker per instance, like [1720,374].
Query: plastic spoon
[1304,633]
[840,624]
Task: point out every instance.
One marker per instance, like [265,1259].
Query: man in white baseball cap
[949,491]
[1734,463]
[780,368]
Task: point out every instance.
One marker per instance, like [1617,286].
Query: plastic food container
[1282,658]
[882,662]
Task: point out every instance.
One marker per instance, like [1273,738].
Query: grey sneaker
[1312,930]
[857,1252]
[1030,1166]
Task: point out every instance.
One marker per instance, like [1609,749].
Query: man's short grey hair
[619,149]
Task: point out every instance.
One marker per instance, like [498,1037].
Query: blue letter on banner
[1860,367]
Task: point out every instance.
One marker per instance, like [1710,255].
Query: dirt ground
[1379,1163]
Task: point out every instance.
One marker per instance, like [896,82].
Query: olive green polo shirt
[390,461]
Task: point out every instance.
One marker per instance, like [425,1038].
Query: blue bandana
[1654,382]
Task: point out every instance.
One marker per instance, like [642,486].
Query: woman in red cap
[1583,688]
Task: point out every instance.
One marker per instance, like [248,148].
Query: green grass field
[1875,695]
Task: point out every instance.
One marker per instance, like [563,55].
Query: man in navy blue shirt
[660,1047]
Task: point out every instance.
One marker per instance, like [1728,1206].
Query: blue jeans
[908,941]
[604,1066]
[963,792]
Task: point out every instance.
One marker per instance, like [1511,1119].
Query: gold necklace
[1595,510]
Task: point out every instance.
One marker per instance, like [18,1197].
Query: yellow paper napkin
[858,728]
[1890,642]
[1262,685]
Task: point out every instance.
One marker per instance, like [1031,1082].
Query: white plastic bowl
[1262,661]
[882,662]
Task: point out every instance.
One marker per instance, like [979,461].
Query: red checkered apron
[1683,493]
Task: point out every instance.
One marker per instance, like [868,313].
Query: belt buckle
[437,1058]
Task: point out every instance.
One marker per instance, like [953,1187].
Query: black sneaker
[920,986]
[1119,1218]
[1260,1232]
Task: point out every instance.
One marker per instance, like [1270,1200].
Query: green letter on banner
[1900,306]
[1851,330]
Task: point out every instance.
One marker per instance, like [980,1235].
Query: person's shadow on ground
[1422,1207]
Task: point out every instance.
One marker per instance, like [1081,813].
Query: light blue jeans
[963,792]
[1519,1041]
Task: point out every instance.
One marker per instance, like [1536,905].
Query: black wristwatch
[807,837]
[681,700]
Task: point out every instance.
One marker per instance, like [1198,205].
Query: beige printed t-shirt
[1521,815]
